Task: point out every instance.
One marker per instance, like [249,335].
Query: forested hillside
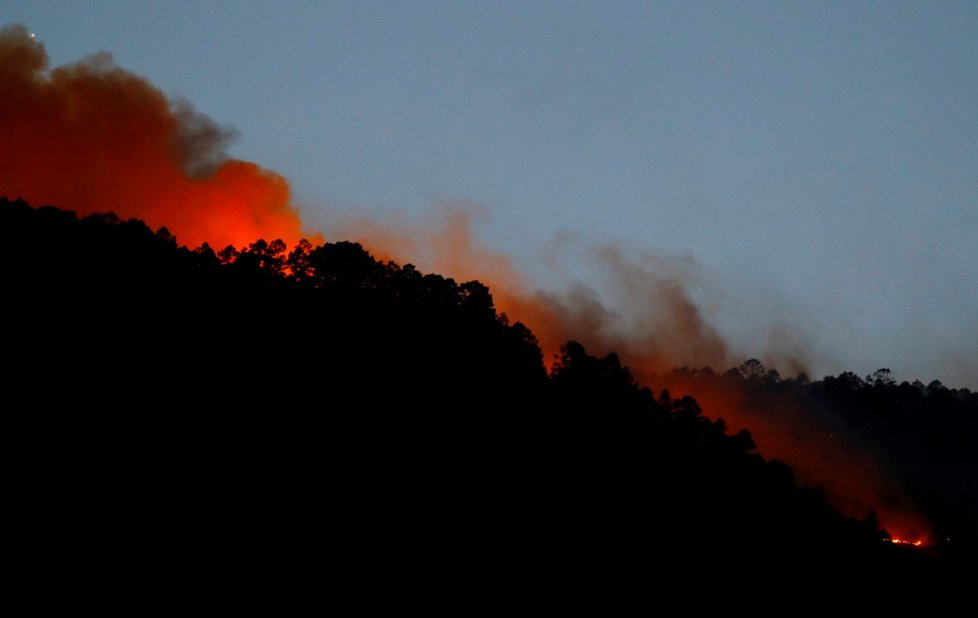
[272,402]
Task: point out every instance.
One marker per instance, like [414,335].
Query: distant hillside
[923,438]
[267,404]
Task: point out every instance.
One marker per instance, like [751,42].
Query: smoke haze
[93,137]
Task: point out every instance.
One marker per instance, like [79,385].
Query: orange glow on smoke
[784,429]
[673,334]
[92,137]
[446,244]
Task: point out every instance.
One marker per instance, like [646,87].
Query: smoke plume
[93,137]
[651,319]
[645,309]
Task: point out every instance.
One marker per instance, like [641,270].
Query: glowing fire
[93,137]
[917,543]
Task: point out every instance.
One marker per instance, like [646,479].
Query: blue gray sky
[815,162]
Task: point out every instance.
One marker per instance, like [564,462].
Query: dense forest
[268,404]
[922,437]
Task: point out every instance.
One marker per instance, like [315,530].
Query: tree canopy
[268,401]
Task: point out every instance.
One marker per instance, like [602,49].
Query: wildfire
[917,543]
[93,137]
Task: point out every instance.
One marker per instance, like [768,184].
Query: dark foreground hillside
[316,411]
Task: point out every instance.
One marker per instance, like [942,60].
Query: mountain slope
[264,405]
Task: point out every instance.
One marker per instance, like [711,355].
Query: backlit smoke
[643,309]
[653,321]
[92,137]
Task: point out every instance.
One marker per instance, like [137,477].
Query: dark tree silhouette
[752,369]
[264,404]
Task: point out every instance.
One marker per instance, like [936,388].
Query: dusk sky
[813,165]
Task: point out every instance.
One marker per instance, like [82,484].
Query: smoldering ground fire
[93,137]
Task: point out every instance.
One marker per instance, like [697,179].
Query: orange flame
[916,543]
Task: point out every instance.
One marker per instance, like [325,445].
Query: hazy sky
[816,161]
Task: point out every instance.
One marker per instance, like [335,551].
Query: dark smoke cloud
[200,142]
